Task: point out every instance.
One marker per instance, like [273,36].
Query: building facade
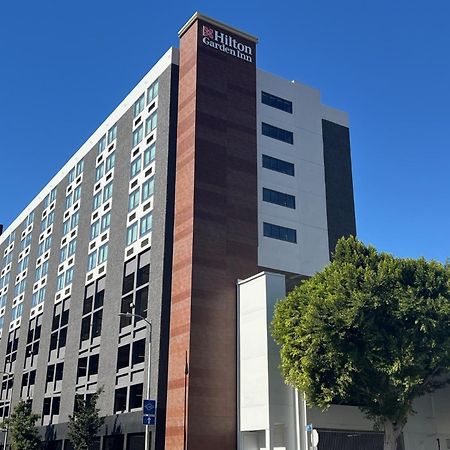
[210,172]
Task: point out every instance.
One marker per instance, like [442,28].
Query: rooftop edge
[226,27]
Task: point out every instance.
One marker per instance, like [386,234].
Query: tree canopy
[85,422]
[369,329]
[22,428]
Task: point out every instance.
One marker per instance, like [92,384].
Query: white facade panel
[309,218]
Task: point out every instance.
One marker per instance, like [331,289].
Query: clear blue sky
[64,66]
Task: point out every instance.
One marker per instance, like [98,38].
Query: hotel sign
[226,43]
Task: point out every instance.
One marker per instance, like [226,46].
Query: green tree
[369,329]
[22,431]
[85,422]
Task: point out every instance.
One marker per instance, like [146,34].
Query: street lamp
[147,394]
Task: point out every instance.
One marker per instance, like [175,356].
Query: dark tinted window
[136,396]
[120,400]
[138,356]
[141,302]
[277,133]
[278,165]
[82,367]
[276,102]
[279,198]
[281,233]
[123,356]
[93,365]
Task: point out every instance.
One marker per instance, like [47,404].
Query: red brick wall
[215,240]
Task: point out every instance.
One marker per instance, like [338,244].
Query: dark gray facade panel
[77,295]
[113,289]
[338,182]
[162,245]
[159,287]
[47,314]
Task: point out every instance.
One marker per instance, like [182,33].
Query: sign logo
[226,44]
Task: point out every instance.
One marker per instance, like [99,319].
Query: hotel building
[211,190]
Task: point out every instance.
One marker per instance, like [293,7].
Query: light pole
[149,365]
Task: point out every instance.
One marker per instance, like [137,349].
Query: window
[66,227]
[148,188]
[8,257]
[123,357]
[132,231]
[72,247]
[91,323]
[16,312]
[101,144]
[138,353]
[95,229]
[60,320]
[138,134]
[63,254]
[281,233]
[120,400]
[68,202]
[135,166]
[76,193]
[276,102]
[50,197]
[69,276]
[38,297]
[110,161]
[102,253]
[146,224]
[71,176]
[74,220]
[133,199]
[278,165]
[97,201]
[278,198]
[22,265]
[60,282]
[79,168]
[152,92]
[277,133]
[20,287]
[136,396]
[47,221]
[30,219]
[24,243]
[112,134]
[105,222]
[41,271]
[150,123]
[99,171]
[92,260]
[149,155]
[139,105]
[107,191]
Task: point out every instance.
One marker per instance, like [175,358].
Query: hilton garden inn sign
[226,44]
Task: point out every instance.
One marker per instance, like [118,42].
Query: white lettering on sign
[226,44]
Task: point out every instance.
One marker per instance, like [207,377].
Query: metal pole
[149,366]
[149,379]
[304,420]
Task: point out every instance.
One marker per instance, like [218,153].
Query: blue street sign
[149,407]
[148,420]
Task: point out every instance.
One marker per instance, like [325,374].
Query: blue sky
[66,65]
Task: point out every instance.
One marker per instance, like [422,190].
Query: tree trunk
[391,434]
